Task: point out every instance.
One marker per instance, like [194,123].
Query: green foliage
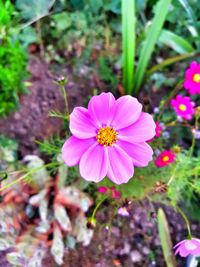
[161,11]
[34,10]
[128,43]
[8,150]
[28,36]
[68,27]
[177,43]
[12,73]
[106,73]
[5,16]
[165,239]
[187,25]
[185,186]
[51,147]
[12,63]
[142,183]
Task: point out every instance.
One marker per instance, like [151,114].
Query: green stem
[172,177]
[39,32]
[97,206]
[62,87]
[26,175]
[173,93]
[193,138]
[186,221]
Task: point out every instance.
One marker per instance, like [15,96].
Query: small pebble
[135,256]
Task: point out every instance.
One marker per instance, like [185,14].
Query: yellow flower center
[182,107]
[196,78]
[106,136]
[165,158]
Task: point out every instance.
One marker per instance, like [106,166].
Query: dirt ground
[32,122]
[131,242]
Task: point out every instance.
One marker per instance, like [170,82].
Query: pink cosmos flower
[192,78]
[109,138]
[188,247]
[183,106]
[165,158]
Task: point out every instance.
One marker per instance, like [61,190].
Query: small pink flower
[123,212]
[183,106]
[159,129]
[165,158]
[102,190]
[109,138]
[188,247]
[192,78]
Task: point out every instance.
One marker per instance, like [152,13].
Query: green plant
[139,45]
[128,43]
[13,62]
[128,33]
[12,74]
[165,239]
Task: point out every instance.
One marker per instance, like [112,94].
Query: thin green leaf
[165,239]
[128,43]
[150,41]
[176,42]
[169,61]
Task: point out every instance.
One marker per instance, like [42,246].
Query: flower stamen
[182,107]
[165,158]
[106,136]
[196,78]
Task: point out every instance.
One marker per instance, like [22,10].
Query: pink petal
[141,153]
[128,110]
[102,109]
[81,124]
[94,163]
[184,252]
[74,148]
[179,243]
[196,252]
[120,169]
[140,131]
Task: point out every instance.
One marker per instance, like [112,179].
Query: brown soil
[131,242]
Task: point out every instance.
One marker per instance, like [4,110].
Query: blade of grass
[128,43]
[177,43]
[165,239]
[150,41]
[169,61]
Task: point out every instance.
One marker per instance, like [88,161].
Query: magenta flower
[102,190]
[188,247]
[159,129]
[192,78]
[183,106]
[165,158]
[109,138]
